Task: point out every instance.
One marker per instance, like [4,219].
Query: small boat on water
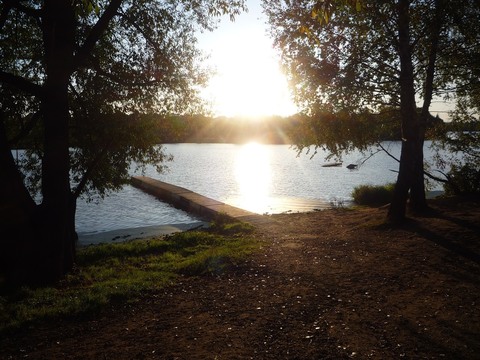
[332,164]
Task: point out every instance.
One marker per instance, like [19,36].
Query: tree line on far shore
[283,130]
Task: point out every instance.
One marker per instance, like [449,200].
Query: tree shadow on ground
[464,242]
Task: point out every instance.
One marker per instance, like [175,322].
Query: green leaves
[87,7]
[324,10]
[358,5]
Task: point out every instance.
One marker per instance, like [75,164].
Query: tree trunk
[418,198]
[17,246]
[410,156]
[56,211]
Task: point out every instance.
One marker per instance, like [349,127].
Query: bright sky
[248,80]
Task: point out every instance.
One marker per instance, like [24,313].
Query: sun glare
[253,175]
[248,81]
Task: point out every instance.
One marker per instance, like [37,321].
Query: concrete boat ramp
[202,206]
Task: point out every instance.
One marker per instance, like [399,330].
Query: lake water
[260,178]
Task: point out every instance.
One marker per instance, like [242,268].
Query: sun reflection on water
[253,176]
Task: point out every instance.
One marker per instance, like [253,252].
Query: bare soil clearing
[333,284]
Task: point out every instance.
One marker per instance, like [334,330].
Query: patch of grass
[232,229]
[373,195]
[124,271]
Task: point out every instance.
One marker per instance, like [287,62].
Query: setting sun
[248,80]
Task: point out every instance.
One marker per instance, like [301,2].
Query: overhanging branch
[95,34]
[21,83]
[426,173]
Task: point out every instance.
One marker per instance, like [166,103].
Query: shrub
[373,195]
[463,180]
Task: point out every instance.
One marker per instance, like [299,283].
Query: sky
[248,80]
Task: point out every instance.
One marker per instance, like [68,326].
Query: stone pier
[194,203]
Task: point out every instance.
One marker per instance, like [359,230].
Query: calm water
[260,178]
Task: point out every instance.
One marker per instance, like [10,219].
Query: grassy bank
[124,271]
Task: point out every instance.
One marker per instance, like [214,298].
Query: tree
[358,56]
[74,77]
[460,138]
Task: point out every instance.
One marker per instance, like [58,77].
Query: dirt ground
[333,284]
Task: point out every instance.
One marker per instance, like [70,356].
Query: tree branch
[21,84]
[6,6]
[432,57]
[96,32]
[91,169]
[121,80]
[25,130]
[433,177]
[12,4]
